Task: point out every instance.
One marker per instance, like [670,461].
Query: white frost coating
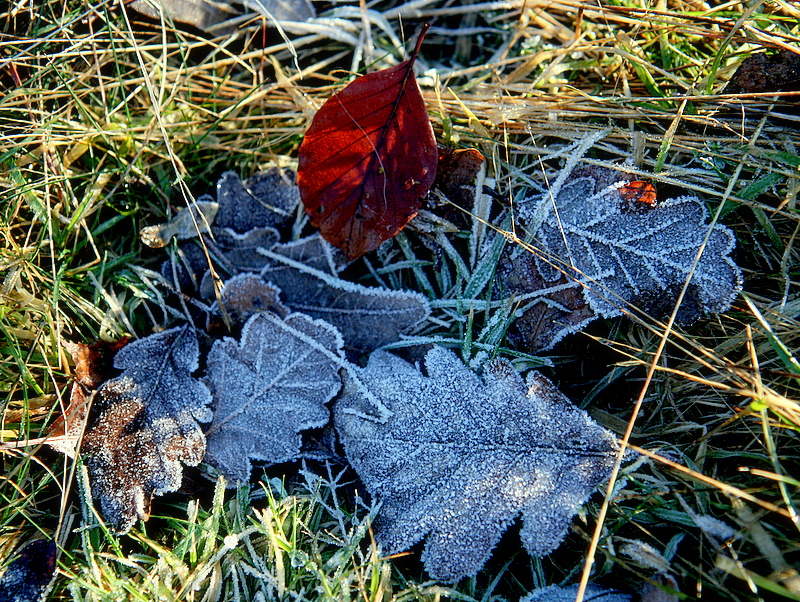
[461,458]
[367,317]
[267,388]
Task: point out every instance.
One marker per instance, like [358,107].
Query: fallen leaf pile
[274,335]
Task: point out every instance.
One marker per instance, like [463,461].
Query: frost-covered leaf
[460,459]
[245,295]
[188,223]
[547,311]
[315,252]
[367,317]
[233,253]
[265,199]
[267,388]
[596,252]
[623,255]
[239,252]
[146,425]
[594,593]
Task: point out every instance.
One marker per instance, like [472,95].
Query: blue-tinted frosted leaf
[597,253]
[460,458]
[265,199]
[367,317]
[624,256]
[267,388]
[594,593]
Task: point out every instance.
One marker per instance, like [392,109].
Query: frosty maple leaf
[267,388]
[146,425]
[594,255]
[459,459]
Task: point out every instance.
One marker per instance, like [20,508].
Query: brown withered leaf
[766,73]
[93,366]
[144,425]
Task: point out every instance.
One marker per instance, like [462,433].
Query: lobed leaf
[146,425]
[459,459]
[267,388]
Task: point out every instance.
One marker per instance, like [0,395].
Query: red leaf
[368,159]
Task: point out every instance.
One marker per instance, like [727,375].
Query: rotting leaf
[368,159]
[594,254]
[146,425]
[367,317]
[267,388]
[764,72]
[93,366]
[459,459]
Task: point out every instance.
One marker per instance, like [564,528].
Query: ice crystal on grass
[146,425]
[267,388]
[460,459]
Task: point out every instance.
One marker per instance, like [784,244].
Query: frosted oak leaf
[367,317]
[146,425]
[594,256]
[268,387]
[461,458]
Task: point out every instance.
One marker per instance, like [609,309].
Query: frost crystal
[146,425]
[460,459]
[267,388]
